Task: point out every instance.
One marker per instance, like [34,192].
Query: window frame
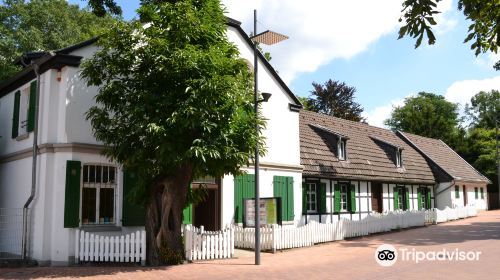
[399,158]
[344,194]
[24,105]
[309,200]
[342,149]
[98,186]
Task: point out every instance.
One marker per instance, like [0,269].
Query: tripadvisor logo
[387,255]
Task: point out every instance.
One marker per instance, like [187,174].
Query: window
[23,111]
[401,198]
[343,197]
[342,149]
[476,194]
[482,193]
[98,194]
[23,119]
[311,198]
[399,158]
[457,192]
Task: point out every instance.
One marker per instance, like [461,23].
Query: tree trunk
[167,200]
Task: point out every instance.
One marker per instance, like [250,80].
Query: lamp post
[267,37]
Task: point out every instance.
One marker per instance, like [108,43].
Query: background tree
[42,25]
[484,109]
[336,99]
[426,114]
[175,101]
[483,32]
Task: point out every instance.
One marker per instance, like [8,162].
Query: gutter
[36,69]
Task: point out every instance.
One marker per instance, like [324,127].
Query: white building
[76,187]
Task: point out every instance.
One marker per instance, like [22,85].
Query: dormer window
[399,158]
[342,149]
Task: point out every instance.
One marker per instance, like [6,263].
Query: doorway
[377,197]
[207,213]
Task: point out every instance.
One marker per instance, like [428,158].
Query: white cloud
[458,92]
[322,30]
[487,60]
[377,116]
[446,21]
[462,91]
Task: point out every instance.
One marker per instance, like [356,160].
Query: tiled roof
[446,158]
[370,152]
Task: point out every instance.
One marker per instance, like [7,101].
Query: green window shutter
[132,214]
[407,199]
[72,194]
[290,200]
[352,196]
[15,117]
[336,189]
[428,193]
[322,198]
[304,198]
[187,213]
[482,193]
[419,198]
[476,193]
[31,107]
[396,194]
[244,187]
[457,192]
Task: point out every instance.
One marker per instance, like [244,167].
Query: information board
[269,211]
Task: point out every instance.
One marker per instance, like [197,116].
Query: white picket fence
[205,245]
[120,248]
[450,214]
[275,237]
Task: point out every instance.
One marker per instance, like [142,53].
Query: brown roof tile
[445,157]
[370,152]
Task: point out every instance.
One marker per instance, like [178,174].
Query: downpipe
[36,68]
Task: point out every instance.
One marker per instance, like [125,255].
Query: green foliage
[173,93]
[426,114]
[305,103]
[42,25]
[481,151]
[483,32]
[102,7]
[336,99]
[484,109]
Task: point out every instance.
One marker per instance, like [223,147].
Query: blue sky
[356,42]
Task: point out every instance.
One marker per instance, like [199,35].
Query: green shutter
[304,198]
[72,194]
[283,188]
[337,198]
[244,187]
[322,198]
[476,195]
[15,116]
[482,193]
[31,107]
[187,213]
[407,199]
[428,194]
[290,200]
[352,195]
[396,193]
[457,192]
[132,214]
[419,198]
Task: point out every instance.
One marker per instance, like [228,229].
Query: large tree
[484,109]
[175,101]
[42,25]
[426,114]
[336,99]
[483,15]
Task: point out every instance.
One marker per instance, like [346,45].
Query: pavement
[350,259]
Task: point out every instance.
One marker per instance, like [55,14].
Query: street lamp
[268,38]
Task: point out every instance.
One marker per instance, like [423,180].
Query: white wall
[448,197]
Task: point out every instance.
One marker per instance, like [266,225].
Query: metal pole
[256,105]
